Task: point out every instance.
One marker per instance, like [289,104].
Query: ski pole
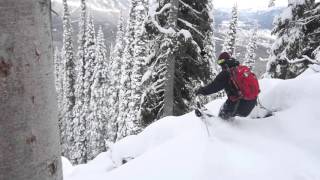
[207,128]
[204,120]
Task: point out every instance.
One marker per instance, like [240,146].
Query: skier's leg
[227,110]
[245,107]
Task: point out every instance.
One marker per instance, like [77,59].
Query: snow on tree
[68,80]
[292,51]
[178,28]
[210,44]
[311,22]
[77,130]
[250,57]
[139,57]
[115,86]
[99,105]
[125,127]
[316,53]
[230,41]
[89,65]
[209,56]
[90,59]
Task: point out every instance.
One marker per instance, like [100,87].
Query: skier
[240,85]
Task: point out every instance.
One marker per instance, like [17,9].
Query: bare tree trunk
[29,147]
[168,108]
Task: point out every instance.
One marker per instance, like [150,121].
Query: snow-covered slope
[285,146]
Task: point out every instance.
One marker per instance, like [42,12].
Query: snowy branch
[149,58]
[263,59]
[153,16]
[165,7]
[188,6]
[308,20]
[304,57]
[191,26]
[311,60]
[186,34]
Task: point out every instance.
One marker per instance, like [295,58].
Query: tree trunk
[29,147]
[168,108]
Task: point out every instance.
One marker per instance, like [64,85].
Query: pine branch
[191,27]
[189,7]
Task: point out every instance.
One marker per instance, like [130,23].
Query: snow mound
[285,146]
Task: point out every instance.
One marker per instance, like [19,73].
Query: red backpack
[246,82]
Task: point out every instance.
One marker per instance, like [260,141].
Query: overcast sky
[247,4]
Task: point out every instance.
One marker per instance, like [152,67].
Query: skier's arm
[217,85]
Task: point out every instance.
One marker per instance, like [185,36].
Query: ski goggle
[220,61]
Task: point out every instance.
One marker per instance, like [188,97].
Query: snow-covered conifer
[139,57]
[209,57]
[69,81]
[179,29]
[99,106]
[90,58]
[89,66]
[250,57]
[125,91]
[210,53]
[78,129]
[231,36]
[115,76]
[293,49]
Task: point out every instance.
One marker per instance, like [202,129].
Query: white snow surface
[285,146]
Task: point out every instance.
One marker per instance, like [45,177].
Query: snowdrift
[285,146]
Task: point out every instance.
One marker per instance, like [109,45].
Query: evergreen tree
[89,67]
[209,43]
[209,56]
[90,60]
[230,41]
[99,102]
[78,128]
[125,91]
[178,29]
[115,86]
[311,22]
[69,82]
[139,56]
[292,51]
[210,51]
[250,57]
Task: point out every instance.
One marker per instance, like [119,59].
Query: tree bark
[29,147]
[168,108]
